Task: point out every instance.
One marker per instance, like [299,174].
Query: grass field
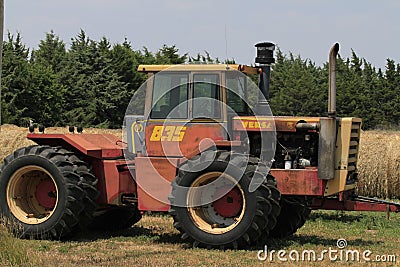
[154,242]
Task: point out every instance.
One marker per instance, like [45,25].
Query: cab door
[168,113]
[207,110]
[186,109]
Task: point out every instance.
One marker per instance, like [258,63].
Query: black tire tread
[293,216]
[81,194]
[88,183]
[267,197]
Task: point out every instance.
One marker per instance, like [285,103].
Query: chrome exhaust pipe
[332,81]
[328,127]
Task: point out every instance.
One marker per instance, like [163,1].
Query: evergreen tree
[125,62]
[51,52]
[44,96]
[169,55]
[76,78]
[110,91]
[368,97]
[390,98]
[94,89]
[294,90]
[349,86]
[50,58]
[15,73]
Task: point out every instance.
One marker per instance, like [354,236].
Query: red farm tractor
[228,172]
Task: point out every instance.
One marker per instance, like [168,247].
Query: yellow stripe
[198,67]
[133,137]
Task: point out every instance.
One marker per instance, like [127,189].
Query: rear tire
[116,218]
[235,220]
[294,214]
[43,192]
[88,183]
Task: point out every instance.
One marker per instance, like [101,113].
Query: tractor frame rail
[353,202]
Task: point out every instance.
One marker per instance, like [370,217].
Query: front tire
[231,216]
[45,193]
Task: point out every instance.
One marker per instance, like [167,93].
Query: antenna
[226,46]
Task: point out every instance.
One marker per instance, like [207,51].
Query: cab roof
[199,67]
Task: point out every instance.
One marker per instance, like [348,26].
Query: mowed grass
[154,242]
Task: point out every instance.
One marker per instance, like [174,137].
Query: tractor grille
[353,149]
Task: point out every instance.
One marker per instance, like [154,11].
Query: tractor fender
[100,146]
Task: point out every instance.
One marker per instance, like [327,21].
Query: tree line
[91,82]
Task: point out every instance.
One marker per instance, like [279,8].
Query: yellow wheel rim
[205,216]
[32,194]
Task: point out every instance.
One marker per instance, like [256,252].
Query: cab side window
[236,87]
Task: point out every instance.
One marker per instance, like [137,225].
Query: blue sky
[308,28]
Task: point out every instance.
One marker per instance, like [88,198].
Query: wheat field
[378,166]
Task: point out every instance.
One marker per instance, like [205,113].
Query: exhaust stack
[328,127]
[265,57]
[332,81]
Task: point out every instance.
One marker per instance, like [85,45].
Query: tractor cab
[195,102]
